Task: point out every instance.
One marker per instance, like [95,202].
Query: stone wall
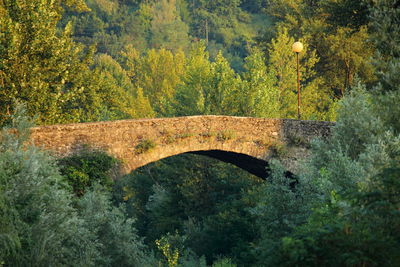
[139,142]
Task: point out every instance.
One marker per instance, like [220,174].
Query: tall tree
[258,94]
[120,98]
[349,54]
[42,66]
[190,94]
[220,98]
[346,13]
[158,73]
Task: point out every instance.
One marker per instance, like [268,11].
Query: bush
[38,224]
[83,169]
[144,146]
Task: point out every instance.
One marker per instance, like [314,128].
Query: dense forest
[64,61]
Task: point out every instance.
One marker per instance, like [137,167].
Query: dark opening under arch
[253,165]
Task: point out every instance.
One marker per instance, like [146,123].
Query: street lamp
[297,48]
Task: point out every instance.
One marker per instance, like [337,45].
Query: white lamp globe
[297,47]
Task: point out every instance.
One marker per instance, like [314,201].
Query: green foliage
[346,13]
[118,94]
[167,29]
[144,146]
[279,210]
[39,224]
[171,254]
[349,187]
[207,87]
[113,233]
[86,168]
[385,33]
[341,209]
[201,199]
[259,96]
[298,140]
[349,52]
[357,229]
[337,30]
[219,23]
[224,263]
[385,28]
[42,66]
[167,83]
[315,100]
[219,99]
[279,149]
[43,224]
[190,94]
[158,73]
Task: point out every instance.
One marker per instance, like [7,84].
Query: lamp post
[297,48]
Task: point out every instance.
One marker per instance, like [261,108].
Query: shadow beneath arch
[257,167]
[253,165]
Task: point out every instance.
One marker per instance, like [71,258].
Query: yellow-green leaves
[42,66]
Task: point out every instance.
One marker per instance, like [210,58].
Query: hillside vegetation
[81,61]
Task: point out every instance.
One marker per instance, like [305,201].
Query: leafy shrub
[83,169]
[144,146]
[38,224]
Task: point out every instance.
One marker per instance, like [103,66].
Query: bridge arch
[246,142]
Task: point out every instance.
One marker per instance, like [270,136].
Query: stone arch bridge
[245,142]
